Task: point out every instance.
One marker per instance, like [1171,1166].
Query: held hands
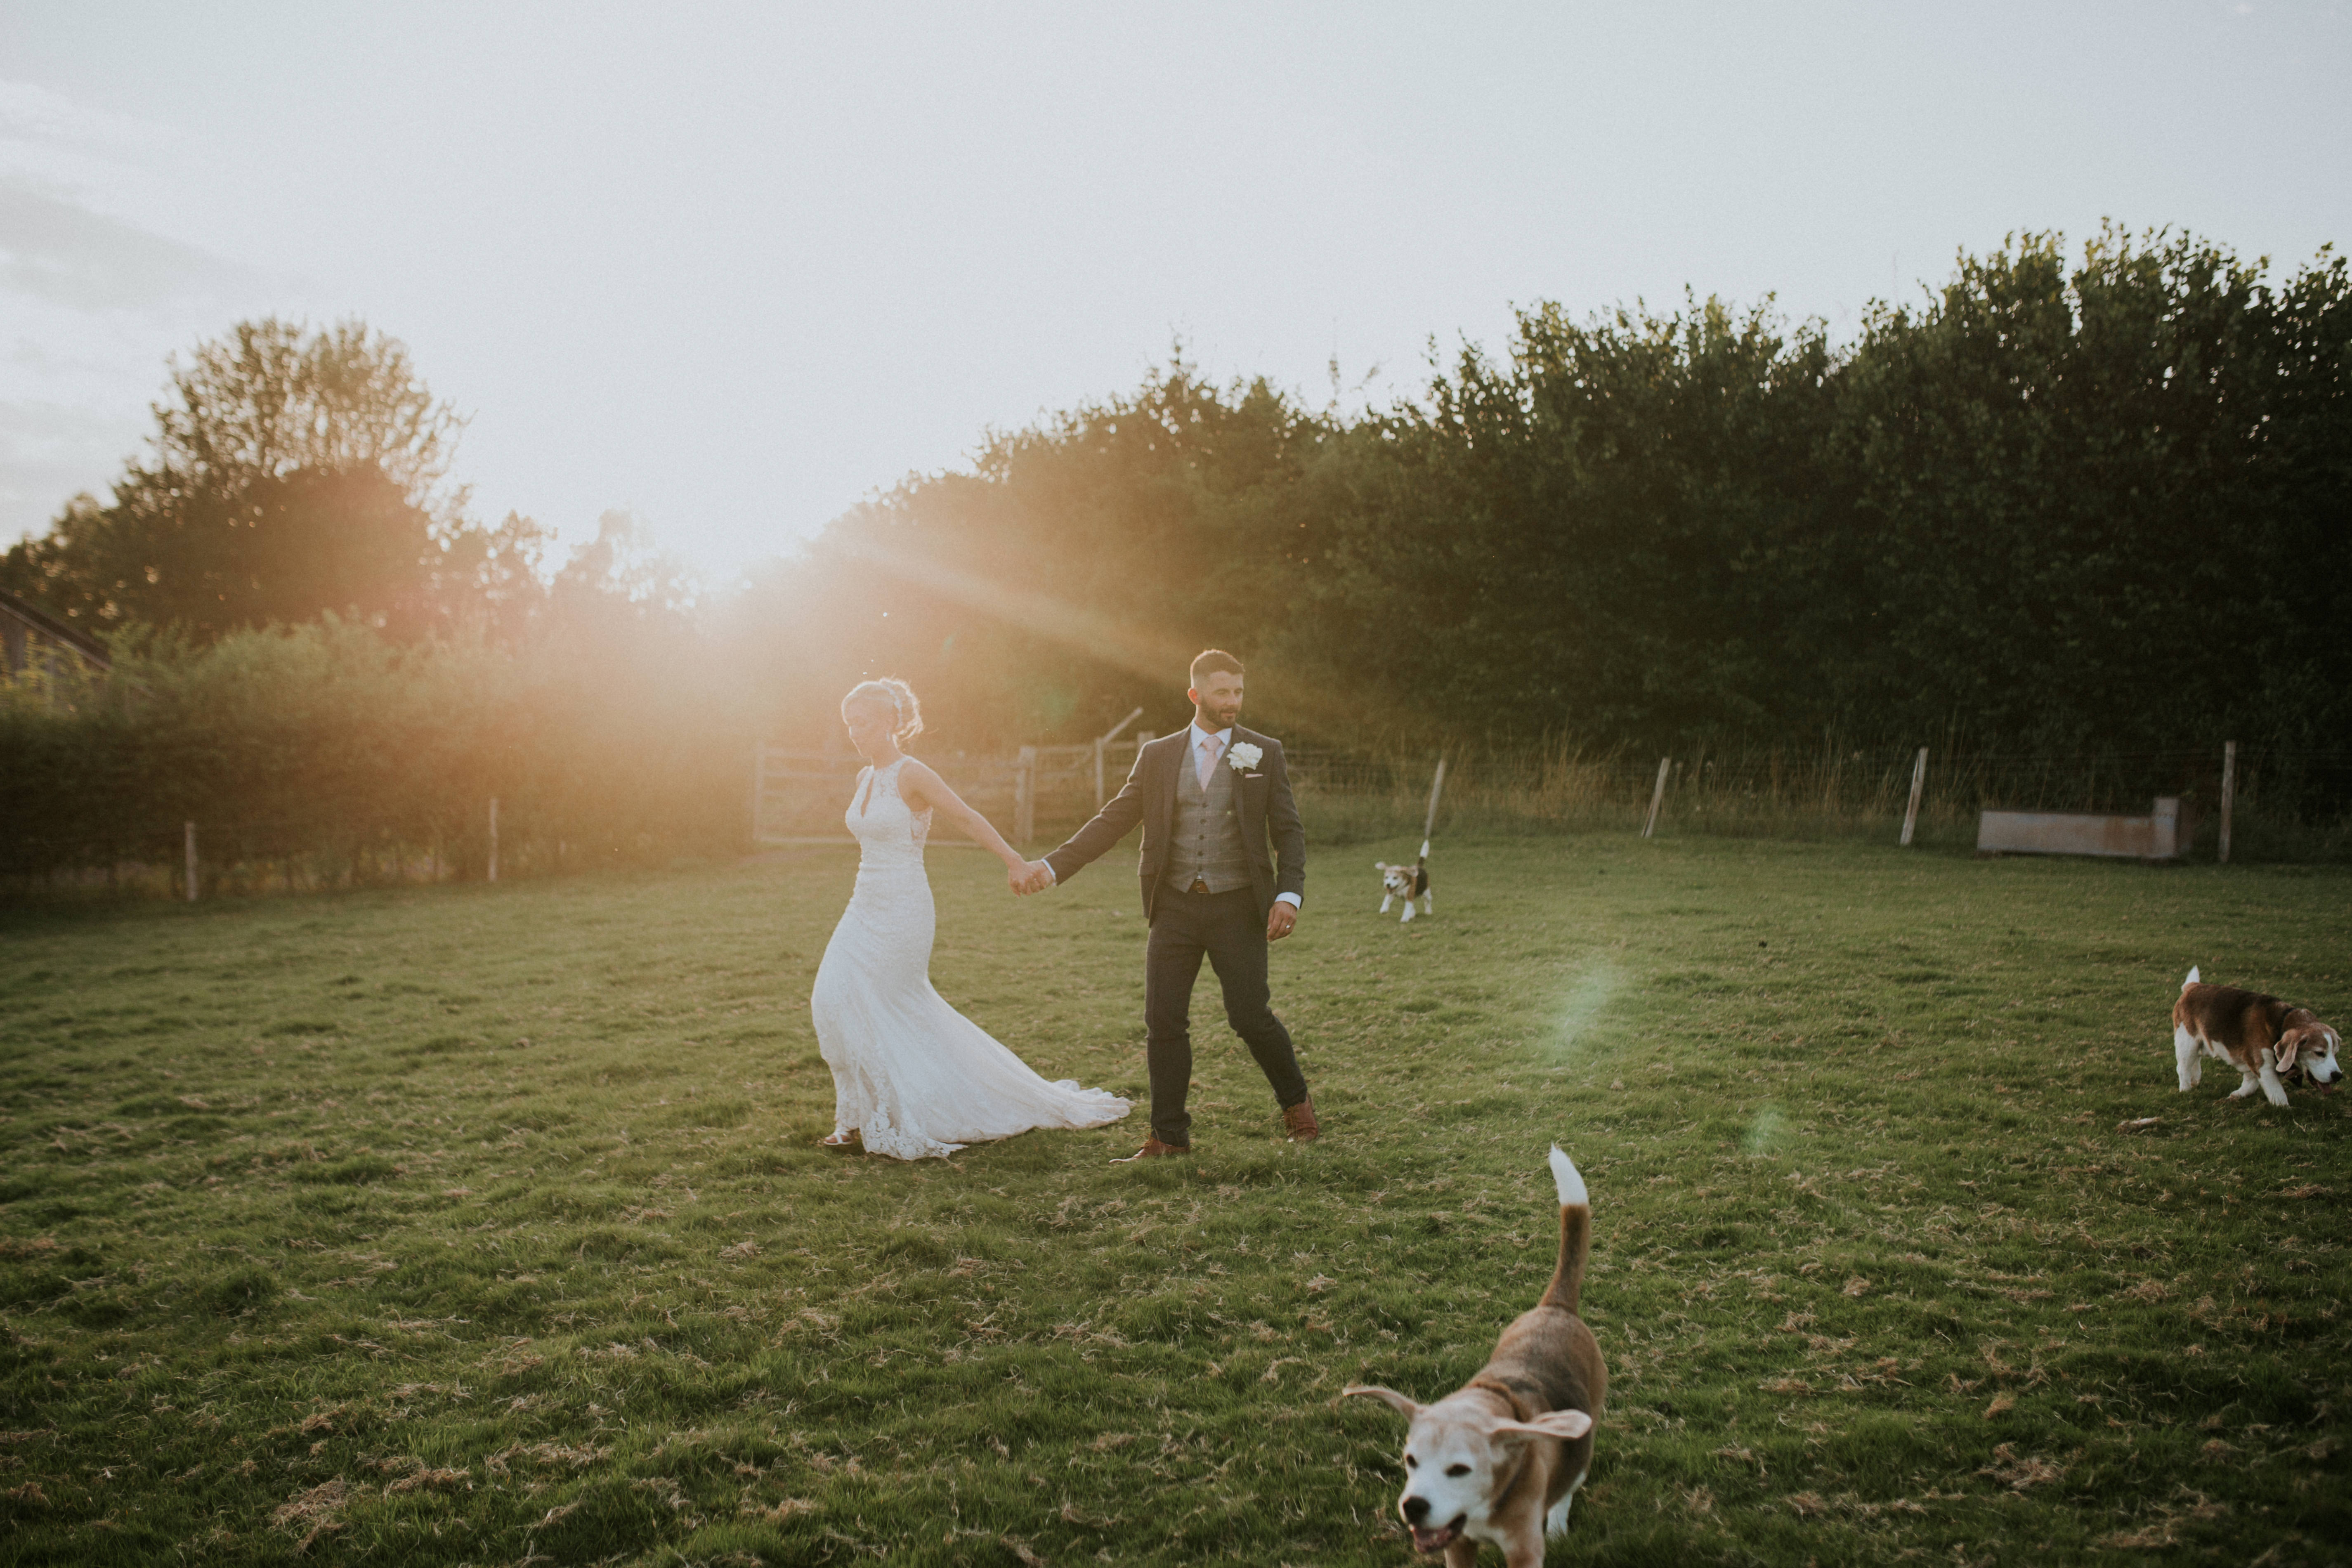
[1030,876]
[1279,920]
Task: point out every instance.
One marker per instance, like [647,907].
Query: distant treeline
[2106,505]
[2096,507]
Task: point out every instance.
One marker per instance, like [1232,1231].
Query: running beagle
[1499,1459]
[1406,882]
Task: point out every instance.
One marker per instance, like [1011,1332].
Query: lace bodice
[888,831]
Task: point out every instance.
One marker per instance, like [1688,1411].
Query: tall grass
[2288,805]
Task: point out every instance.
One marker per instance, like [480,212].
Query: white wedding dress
[911,1076]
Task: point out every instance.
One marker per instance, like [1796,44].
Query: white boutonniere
[1243,756]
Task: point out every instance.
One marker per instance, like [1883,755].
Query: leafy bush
[326,752]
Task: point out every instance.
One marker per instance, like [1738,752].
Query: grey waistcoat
[1206,829]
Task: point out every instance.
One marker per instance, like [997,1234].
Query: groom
[1208,798]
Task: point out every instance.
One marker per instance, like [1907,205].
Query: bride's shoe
[840,1142]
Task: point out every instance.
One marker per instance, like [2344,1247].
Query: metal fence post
[191,839]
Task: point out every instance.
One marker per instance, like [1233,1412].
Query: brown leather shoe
[1298,1121]
[1153,1149]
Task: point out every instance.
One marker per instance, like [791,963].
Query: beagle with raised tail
[1499,1459]
[2260,1035]
[1406,882]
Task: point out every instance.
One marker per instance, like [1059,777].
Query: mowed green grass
[485,1225]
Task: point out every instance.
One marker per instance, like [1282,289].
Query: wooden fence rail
[1347,798]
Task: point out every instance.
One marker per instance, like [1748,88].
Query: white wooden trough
[2155,837]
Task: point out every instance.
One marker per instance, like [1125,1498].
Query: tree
[2105,503]
[1074,573]
[1604,536]
[291,473]
[2067,504]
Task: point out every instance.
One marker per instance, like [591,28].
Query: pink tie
[1210,746]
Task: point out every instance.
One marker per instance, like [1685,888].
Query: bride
[912,1077]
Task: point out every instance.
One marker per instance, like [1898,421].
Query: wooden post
[1918,780]
[758,786]
[1102,743]
[1024,796]
[1657,797]
[2229,793]
[494,838]
[191,839]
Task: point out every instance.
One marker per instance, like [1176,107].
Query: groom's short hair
[1214,661]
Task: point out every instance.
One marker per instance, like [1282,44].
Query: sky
[735,268]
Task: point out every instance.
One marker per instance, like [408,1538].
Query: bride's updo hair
[899,696]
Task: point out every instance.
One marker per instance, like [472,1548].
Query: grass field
[484,1225]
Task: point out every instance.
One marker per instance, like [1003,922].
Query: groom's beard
[1221,718]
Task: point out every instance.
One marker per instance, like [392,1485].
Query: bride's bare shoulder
[919,784]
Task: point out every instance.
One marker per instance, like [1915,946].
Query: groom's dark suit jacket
[1261,797]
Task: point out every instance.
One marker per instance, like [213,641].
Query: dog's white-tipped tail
[1424,848]
[1575,1235]
[2192,978]
[1571,1183]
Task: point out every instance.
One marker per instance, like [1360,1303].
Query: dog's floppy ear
[1568,1424]
[1398,1402]
[1379,865]
[2289,1047]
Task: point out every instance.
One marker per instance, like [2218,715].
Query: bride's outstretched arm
[926,790]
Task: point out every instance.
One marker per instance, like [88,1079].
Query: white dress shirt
[1199,739]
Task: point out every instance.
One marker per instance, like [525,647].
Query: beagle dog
[1406,882]
[1499,1459]
[2260,1035]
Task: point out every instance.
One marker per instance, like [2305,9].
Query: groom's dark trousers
[1229,929]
